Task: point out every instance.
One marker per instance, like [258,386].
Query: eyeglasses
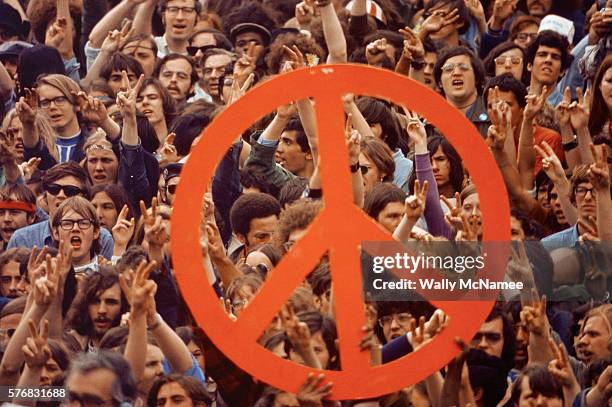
[69,190]
[86,400]
[172,188]
[194,50]
[582,191]
[504,60]
[402,319]
[176,10]
[450,67]
[58,101]
[526,36]
[68,224]
[490,337]
[364,169]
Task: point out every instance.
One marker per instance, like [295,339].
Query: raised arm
[579,117]
[600,178]
[111,44]
[27,109]
[563,114]
[6,83]
[126,101]
[112,21]
[353,144]
[143,17]
[414,207]
[526,152]
[332,31]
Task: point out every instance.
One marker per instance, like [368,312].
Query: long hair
[95,284]
[600,114]
[45,131]
[66,86]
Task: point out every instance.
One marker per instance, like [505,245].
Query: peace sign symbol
[339,229]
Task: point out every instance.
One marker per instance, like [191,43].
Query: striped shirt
[66,146]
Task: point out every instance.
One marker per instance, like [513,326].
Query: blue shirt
[39,235]
[195,371]
[565,238]
[65,146]
[403,169]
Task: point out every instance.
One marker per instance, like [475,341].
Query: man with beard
[178,75]
[13,268]
[595,338]
[17,209]
[97,308]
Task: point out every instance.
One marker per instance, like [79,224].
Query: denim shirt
[403,169]
[39,235]
[565,238]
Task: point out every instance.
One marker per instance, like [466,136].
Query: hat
[11,21]
[250,27]
[171,171]
[13,48]
[373,9]
[30,65]
[558,24]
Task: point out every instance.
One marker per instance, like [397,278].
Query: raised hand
[237,90]
[36,351]
[312,392]
[115,40]
[519,268]
[92,110]
[123,229]
[502,10]
[353,141]
[376,51]
[57,34]
[550,162]
[413,46]
[477,11]
[560,367]
[168,153]
[439,19]
[535,103]
[126,100]
[155,234]
[416,132]
[295,57]
[305,12]
[45,287]
[562,111]
[27,107]
[534,316]
[580,110]
[469,229]
[246,65]
[418,336]
[8,154]
[28,167]
[590,232]
[598,172]
[414,206]
[215,243]
[453,217]
[137,293]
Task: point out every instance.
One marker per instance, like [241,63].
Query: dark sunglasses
[194,50]
[172,188]
[364,169]
[69,190]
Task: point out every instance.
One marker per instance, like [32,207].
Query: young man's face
[11,220]
[290,153]
[395,325]
[202,40]
[471,209]
[526,35]
[102,166]
[430,62]
[175,75]
[180,18]
[80,236]
[10,280]
[150,104]
[105,309]
[516,229]
[594,339]
[50,371]
[54,200]
[532,398]
[458,80]
[510,62]
[56,106]
[143,53]
[585,200]
[105,210]
[441,167]
[115,78]
[244,39]
[391,216]
[555,204]
[490,337]
[539,8]
[546,67]
[213,70]
[15,129]
[92,388]
[522,341]
[261,230]
[515,108]
[173,395]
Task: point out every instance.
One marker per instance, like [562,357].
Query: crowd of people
[103,100]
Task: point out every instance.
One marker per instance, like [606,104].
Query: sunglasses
[172,188]
[69,190]
[490,337]
[194,50]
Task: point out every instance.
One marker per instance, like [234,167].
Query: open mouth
[8,230]
[55,117]
[99,177]
[179,27]
[457,82]
[147,112]
[102,322]
[76,242]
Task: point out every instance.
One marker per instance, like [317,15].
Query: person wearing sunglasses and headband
[60,183]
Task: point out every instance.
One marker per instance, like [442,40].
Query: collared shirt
[39,235]
[163,49]
[88,268]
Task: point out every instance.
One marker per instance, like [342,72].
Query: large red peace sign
[339,228]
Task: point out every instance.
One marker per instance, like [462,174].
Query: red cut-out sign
[339,228]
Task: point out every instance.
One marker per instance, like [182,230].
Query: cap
[250,27]
[373,9]
[13,48]
[11,21]
[558,24]
[171,171]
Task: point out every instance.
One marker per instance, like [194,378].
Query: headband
[19,205]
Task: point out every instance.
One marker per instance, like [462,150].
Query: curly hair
[297,216]
[45,13]
[249,207]
[276,55]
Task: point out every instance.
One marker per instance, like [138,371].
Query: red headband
[20,205]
